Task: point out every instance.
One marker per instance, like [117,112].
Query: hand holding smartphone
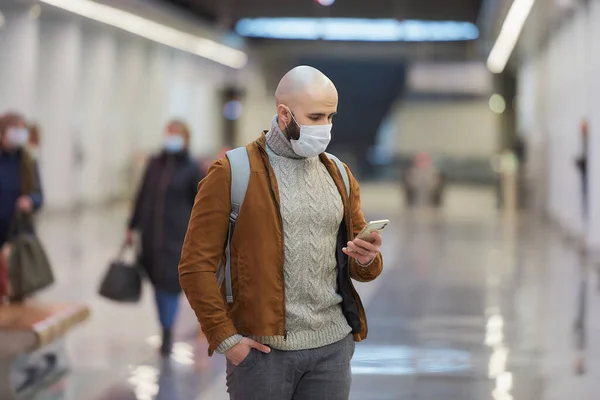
[363,252]
[373,226]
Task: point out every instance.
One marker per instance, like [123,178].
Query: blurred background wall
[102,95]
[558,85]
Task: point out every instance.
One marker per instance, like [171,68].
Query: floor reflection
[403,360]
[472,305]
[176,378]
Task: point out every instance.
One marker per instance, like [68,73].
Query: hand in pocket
[238,353]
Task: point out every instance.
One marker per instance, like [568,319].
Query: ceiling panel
[233,10]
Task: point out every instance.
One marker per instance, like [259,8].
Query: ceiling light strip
[154,31]
[509,35]
[357,29]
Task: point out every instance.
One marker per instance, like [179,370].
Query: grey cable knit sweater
[312,211]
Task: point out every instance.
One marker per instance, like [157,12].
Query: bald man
[290,331]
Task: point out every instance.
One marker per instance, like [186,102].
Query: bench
[32,356]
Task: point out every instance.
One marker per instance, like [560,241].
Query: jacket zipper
[268,167]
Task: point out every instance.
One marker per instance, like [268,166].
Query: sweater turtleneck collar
[279,143]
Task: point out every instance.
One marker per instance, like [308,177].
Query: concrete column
[124,110]
[58,81]
[19,49]
[206,122]
[151,102]
[95,121]
[153,99]
[580,106]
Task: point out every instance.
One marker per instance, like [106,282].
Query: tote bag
[29,269]
[123,281]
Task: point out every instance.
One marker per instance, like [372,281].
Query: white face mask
[313,140]
[17,137]
[174,143]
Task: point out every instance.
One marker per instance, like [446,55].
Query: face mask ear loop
[287,128]
[293,118]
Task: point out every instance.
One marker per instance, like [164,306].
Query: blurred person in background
[423,182]
[20,187]
[519,149]
[582,165]
[160,216]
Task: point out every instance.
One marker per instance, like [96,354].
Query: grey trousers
[316,374]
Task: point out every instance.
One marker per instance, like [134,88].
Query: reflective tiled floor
[472,305]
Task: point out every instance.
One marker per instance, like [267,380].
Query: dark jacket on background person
[161,214]
[18,176]
[257,253]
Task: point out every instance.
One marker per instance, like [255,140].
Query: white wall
[57,88]
[594,117]
[259,105]
[454,128]
[531,123]
[18,41]
[106,95]
[99,65]
[559,85]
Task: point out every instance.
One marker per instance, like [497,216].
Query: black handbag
[123,281]
[29,269]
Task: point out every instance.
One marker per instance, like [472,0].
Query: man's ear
[284,115]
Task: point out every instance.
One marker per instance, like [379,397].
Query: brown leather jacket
[257,254]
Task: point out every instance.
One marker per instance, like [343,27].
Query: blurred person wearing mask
[20,187]
[295,316]
[160,215]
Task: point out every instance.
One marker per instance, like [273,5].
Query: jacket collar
[278,142]
[14,154]
[179,156]
[261,144]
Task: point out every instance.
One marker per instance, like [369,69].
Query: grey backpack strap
[342,170]
[240,175]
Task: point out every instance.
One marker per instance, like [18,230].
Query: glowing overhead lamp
[357,29]
[154,31]
[509,35]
